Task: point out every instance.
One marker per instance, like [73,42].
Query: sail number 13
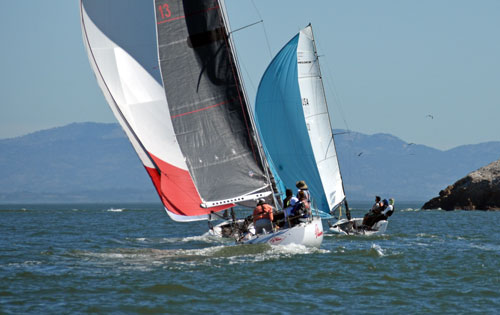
[164,11]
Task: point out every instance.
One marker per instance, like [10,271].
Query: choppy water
[134,259]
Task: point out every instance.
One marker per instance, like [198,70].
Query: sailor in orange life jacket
[262,217]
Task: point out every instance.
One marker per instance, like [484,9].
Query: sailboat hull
[348,227]
[309,234]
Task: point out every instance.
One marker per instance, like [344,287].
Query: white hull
[349,227]
[309,234]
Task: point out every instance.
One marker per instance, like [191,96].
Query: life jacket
[390,212]
[264,211]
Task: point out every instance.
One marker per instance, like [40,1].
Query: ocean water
[63,259]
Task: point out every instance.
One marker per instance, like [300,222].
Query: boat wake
[206,239]
[149,258]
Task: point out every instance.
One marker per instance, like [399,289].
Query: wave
[25,263]
[425,235]
[377,249]
[410,210]
[486,247]
[15,210]
[171,289]
[116,210]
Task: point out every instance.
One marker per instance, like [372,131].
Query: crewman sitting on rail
[289,204]
[302,186]
[301,209]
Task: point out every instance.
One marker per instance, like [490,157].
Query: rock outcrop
[479,190]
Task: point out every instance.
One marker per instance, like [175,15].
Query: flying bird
[359,154]
[430,116]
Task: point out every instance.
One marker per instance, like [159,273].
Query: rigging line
[333,140]
[254,136]
[242,28]
[333,89]
[341,133]
[254,90]
[264,29]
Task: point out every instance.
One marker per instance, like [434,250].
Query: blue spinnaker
[281,123]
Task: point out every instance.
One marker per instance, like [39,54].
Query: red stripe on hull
[177,190]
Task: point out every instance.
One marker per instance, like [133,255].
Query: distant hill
[385,165]
[94,162]
[81,162]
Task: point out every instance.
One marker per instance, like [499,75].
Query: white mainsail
[317,118]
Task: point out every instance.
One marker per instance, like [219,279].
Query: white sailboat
[170,76]
[354,226]
[374,223]
[294,122]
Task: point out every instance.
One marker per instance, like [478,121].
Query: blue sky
[387,64]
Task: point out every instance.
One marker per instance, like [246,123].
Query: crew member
[263,217]
[302,186]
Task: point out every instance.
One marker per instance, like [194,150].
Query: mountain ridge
[90,162]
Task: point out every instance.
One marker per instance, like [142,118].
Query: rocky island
[479,190]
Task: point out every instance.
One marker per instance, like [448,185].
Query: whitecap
[115,210]
[295,249]
[426,235]
[203,238]
[422,244]
[486,247]
[410,210]
[25,263]
[378,249]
